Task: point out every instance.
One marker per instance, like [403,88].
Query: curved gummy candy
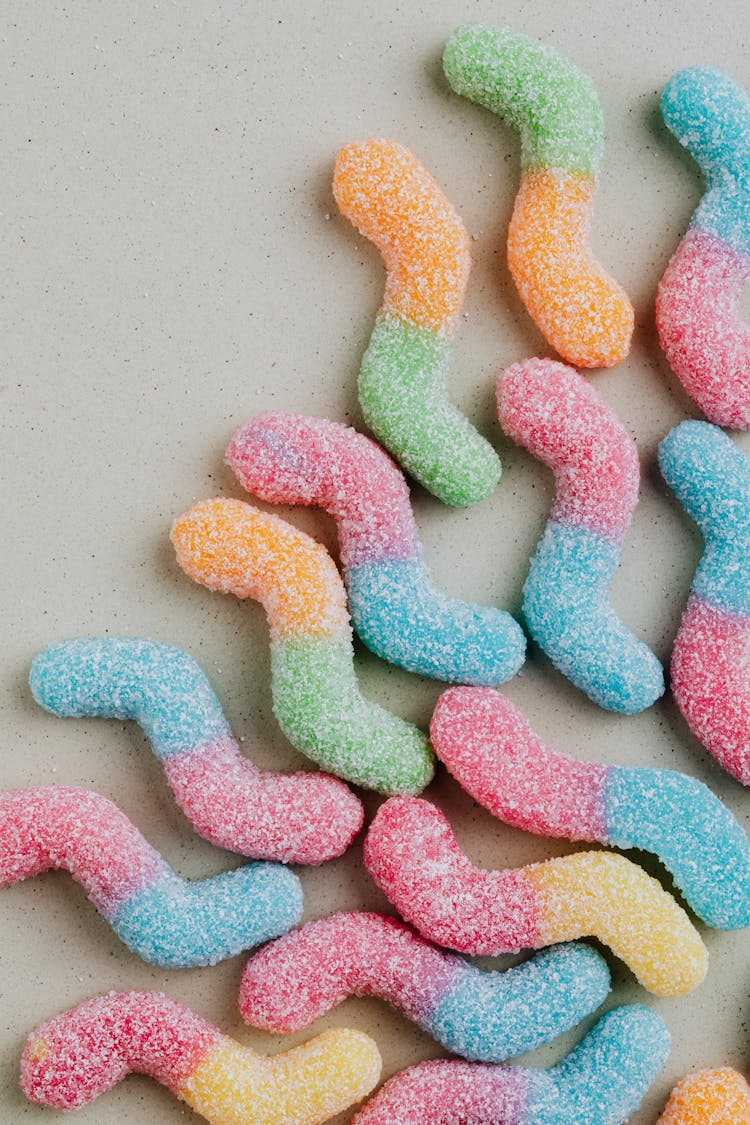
[709,1097]
[395,203]
[74,1057]
[551,411]
[583,313]
[697,314]
[490,749]
[158,915]
[601,1082]
[413,856]
[398,613]
[293,818]
[488,1016]
[710,477]
[228,546]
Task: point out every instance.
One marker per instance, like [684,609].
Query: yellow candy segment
[709,1097]
[578,307]
[232,547]
[304,1086]
[394,201]
[605,895]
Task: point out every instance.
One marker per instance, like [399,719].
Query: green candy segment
[402,384]
[317,702]
[550,101]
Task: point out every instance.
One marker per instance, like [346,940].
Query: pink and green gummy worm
[393,201]
[396,610]
[231,547]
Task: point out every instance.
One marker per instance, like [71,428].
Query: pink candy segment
[298,978]
[710,673]
[454,903]
[446,1092]
[290,459]
[61,826]
[700,330]
[126,1032]
[488,746]
[550,410]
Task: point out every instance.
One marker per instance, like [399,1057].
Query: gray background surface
[173,262]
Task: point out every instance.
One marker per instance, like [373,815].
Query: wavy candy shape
[413,856]
[74,1057]
[488,746]
[397,612]
[233,548]
[583,313]
[162,918]
[487,1016]
[551,411]
[709,1097]
[601,1082]
[304,818]
[394,202]
[710,668]
[697,305]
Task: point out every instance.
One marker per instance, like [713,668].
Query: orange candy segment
[709,1097]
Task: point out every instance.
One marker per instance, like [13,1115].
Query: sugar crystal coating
[551,411]
[393,201]
[233,548]
[161,917]
[601,1082]
[709,1097]
[489,747]
[74,1057]
[487,1016]
[697,306]
[302,818]
[398,613]
[710,477]
[413,856]
[578,307]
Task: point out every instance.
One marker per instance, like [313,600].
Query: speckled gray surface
[173,261]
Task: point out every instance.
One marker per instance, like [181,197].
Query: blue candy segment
[182,925]
[691,831]
[489,1017]
[159,686]
[606,1077]
[402,618]
[709,113]
[567,610]
[710,477]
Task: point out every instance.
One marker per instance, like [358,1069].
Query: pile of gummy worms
[449,909]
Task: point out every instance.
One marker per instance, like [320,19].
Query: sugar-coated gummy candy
[394,202]
[488,746]
[74,1057]
[414,858]
[396,610]
[553,412]
[304,818]
[484,1016]
[161,917]
[710,678]
[709,1097]
[231,547]
[601,1082]
[697,306]
[581,310]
